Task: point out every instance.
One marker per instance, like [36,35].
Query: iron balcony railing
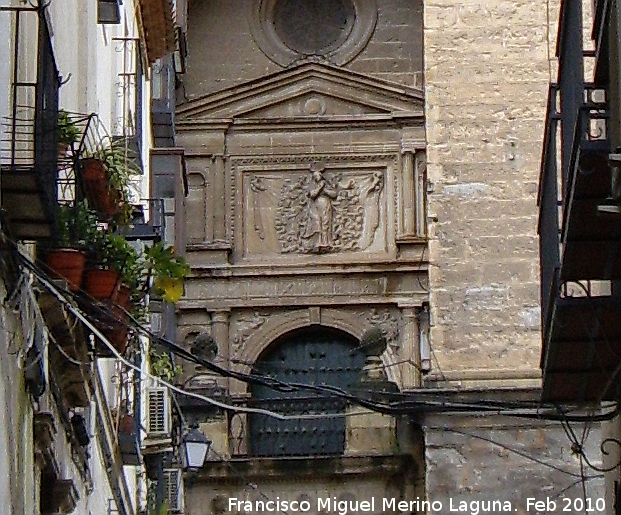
[29,137]
[588,144]
[548,201]
[576,137]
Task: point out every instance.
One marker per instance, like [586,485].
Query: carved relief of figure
[321,195]
[369,198]
[325,213]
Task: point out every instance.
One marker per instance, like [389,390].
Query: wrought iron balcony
[579,237]
[30,136]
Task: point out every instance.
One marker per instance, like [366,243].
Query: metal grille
[157,404]
[172,489]
[311,356]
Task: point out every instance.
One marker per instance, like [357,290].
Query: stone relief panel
[243,325]
[315,210]
[389,321]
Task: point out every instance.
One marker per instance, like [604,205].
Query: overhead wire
[163,382]
[390,408]
[514,451]
[386,407]
[571,485]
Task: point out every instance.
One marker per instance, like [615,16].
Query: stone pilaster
[220,333]
[420,164]
[409,200]
[219,199]
[410,376]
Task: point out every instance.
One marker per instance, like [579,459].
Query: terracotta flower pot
[112,322]
[67,264]
[100,284]
[121,296]
[96,188]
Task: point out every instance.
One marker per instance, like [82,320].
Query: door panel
[316,356]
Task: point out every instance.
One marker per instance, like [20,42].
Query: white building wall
[93,59]
[17,480]
[91,63]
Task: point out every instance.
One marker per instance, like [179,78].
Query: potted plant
[76,226]
[125,259]
[168,270]
[107,176]
[100,280]
[68,133]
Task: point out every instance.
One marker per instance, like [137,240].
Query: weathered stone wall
[494,459]
[222,52]
[487,73]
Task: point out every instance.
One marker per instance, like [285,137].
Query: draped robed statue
[320,210]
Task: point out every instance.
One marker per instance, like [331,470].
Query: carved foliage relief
[318,210]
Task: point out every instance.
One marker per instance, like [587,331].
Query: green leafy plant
[162,365]
[115,252]
[168,270]
[68,132]
[77,225]
[164,262]
[122,170]
[122,163]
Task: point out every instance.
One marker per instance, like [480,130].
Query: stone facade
[487,71]
[303,185]
[338,190]
[305,210]
[478,461]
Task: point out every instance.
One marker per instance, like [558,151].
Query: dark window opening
[109,12]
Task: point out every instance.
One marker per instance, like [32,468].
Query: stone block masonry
[487,71]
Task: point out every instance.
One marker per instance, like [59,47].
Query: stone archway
[278,325]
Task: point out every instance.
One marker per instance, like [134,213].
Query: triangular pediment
[308,91]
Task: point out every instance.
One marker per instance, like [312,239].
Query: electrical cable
[390,408]
[65,355]
[279,385]
[52,289]
[599,476]
[515,451]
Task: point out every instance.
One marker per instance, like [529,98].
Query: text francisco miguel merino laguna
[342,507]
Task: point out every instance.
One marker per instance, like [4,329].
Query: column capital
[410,312]
[412,145]
[220,315]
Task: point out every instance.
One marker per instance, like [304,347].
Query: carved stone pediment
[309,91]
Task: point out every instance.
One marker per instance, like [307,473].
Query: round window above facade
[289,31]
[313,27]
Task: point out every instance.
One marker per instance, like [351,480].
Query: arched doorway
[314,355]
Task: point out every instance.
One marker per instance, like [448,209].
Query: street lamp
[196,446]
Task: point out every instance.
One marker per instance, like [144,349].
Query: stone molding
[285,322]
[361,93]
